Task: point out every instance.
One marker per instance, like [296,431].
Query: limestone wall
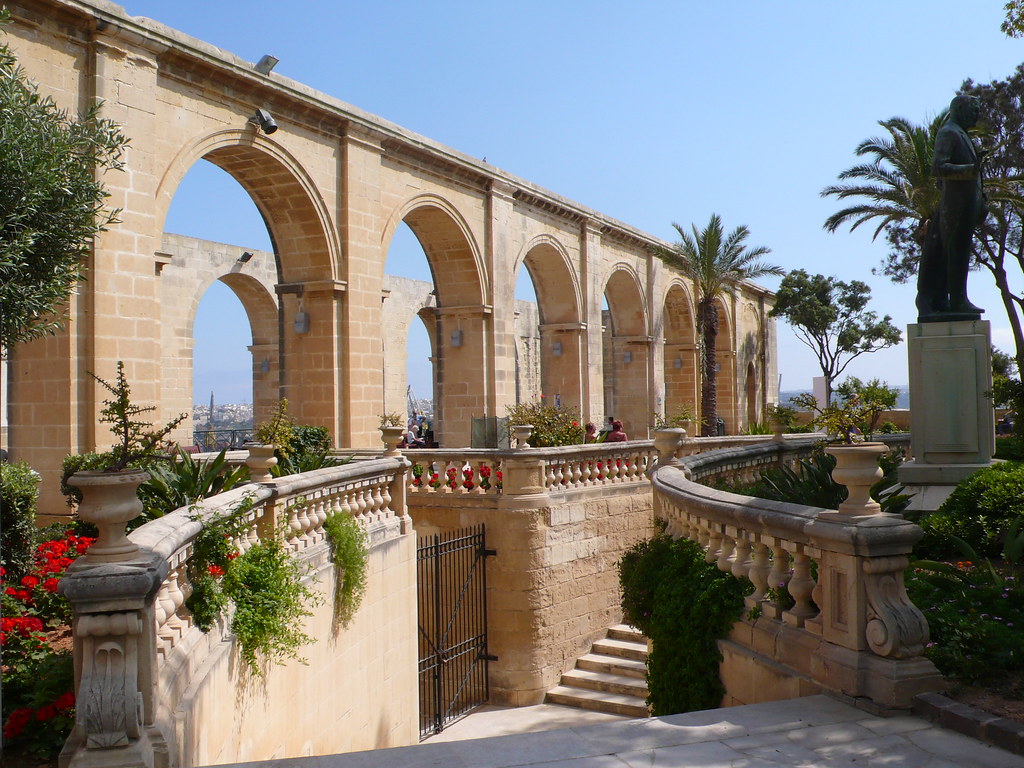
[552,588]
[358,690]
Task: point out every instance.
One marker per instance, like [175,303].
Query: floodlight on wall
[456,338]
[556,349]
[627,356]
[246,255]
[263,119]
[265,64]
[302,322]
[677,363]
[265,366]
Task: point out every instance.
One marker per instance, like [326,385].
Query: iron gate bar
[452,598]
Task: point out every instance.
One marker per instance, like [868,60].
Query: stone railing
[828,600]
[138,655]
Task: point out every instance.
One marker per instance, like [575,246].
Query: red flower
[17,721]
[65,700]
[215,570]
[30,581]
[46,712]
[50,585]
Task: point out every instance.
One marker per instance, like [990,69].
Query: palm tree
[714,262]
[897,187]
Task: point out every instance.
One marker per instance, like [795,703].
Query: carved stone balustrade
[828,599]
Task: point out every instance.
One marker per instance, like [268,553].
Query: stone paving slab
[813,732]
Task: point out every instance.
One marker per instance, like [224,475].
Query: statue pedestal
[952,423]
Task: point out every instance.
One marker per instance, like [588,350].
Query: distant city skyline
[663,112]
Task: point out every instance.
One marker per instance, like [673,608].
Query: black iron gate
[452,598]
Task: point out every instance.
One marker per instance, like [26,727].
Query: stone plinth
[951,419]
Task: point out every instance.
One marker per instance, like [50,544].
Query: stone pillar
[115,663]
[951,419]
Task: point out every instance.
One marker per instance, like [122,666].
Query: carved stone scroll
[895,627]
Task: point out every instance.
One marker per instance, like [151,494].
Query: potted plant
[392,425]
[269,438]
[109,494]
[781,418]
[856,460]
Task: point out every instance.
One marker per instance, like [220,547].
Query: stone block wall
[552,588]
[358,690]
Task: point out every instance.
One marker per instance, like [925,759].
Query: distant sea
[902,400]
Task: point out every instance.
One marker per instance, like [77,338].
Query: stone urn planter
[857,468]
[667,442]
[391,436]
[110,501]
[521,433]
[259,461]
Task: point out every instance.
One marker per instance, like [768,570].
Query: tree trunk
[708,320]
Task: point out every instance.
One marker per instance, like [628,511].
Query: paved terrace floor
[813,732]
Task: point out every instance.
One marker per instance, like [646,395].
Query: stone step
[626,632]
[605,681]
[624,649]
[601,701]
[596,662]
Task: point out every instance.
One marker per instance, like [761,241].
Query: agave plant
[185,480]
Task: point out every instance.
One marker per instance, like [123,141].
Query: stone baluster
[378,502]
[587,476]
[800,587]
[385,499]
[577,474]
[714,543]
[549,474]
[725,553]
[742,563]
[759,570]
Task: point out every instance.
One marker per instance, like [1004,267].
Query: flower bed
[38,676]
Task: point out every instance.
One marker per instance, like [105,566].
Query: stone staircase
[611,678]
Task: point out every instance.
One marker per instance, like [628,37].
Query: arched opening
[295,268]
[460,329]
[726,378]
[681,361]
[751,392]
[409,307]
[212,350]
[548,315]
[626,352]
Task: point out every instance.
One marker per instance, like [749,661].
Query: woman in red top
[616,435]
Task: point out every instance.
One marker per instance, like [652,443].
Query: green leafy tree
[875,395]
[51,200]
[1013,24]
[831,317]
[896,190]
[715,262]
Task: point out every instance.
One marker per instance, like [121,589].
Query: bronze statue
[946,255]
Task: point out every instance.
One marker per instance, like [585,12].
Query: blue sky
[651,113]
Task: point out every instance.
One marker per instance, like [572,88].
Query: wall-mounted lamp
[263,119]
[302,322]
[265,64]
[246,255]
[556,349]
[627,356]
[456,338]
[265,366]
[677,363]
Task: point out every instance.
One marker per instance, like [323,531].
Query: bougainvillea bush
[38,676]
[551,426]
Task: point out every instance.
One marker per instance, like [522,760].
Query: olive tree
[51,200]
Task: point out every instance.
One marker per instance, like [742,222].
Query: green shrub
[348,551]
[19,491]
[551,426]
[185,480]
[684,605]
[1010,448]
[310,439]
[889,428]
[980,511]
